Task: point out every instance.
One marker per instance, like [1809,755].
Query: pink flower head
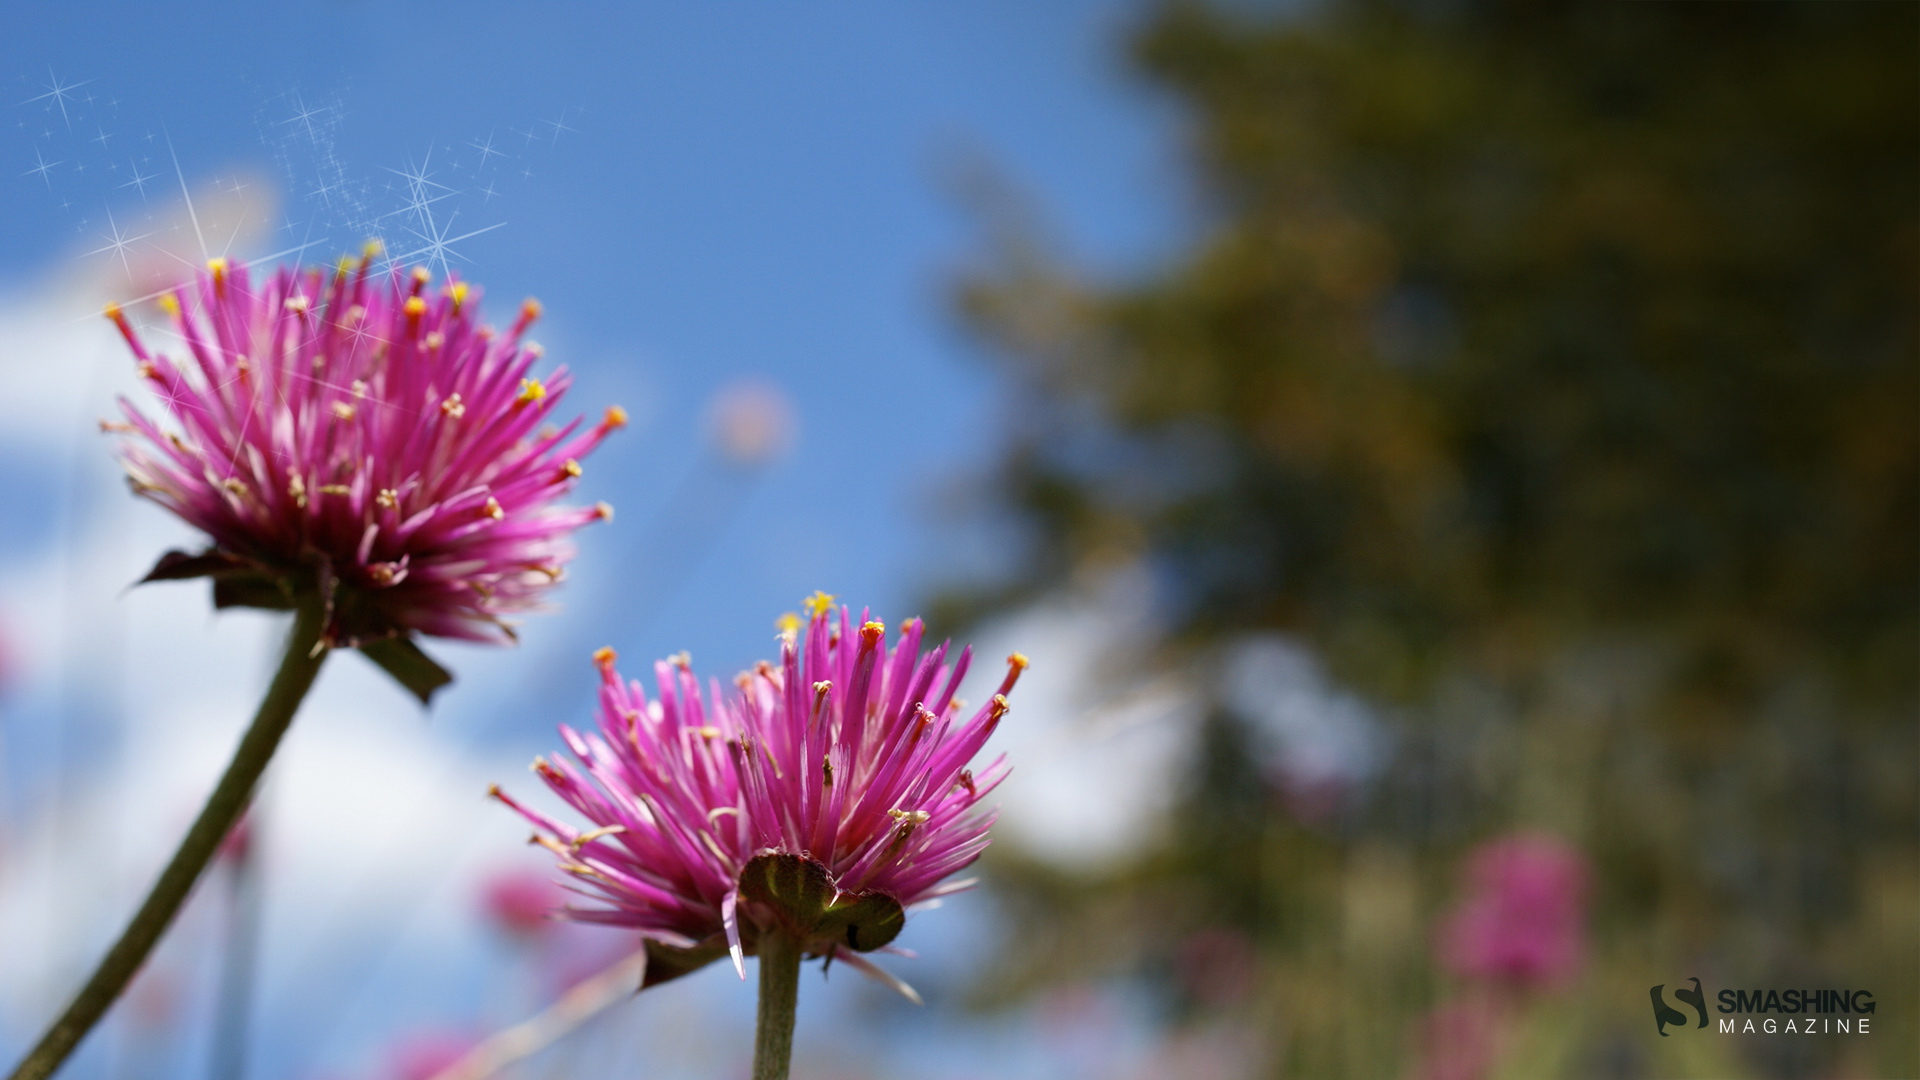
[363,436]
[520,902]
[847,762]
[1523,921]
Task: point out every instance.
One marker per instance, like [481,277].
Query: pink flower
[1523,921]
[1460,1040]
[237,848]
[363,437]
[520,902]
[845,766]
[9,660]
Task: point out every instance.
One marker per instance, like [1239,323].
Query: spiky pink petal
[361,431]
[846,753]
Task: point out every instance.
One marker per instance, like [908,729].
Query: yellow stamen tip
[603,658]
[416,307]
[531,390]
[493,509]
[422,275]
[342,410]
[818,605]
[616,417]
[603,511]
[113,312]
[217,266]
[170,303]
[371,248]
[1018,661]
[570,467]
[787,623]
[531,309]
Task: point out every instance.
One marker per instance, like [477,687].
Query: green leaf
[664,962]
[180,566]
[250,589]
[804,897]
[410,667]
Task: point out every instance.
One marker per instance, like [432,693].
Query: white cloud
[1096,735]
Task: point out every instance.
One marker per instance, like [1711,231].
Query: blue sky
[700,194]
[737,190]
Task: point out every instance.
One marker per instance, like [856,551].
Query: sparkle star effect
[304,117]
[559,126]
[422,190]
[486,149]
[433,244]
[118,243]
[139,181]
[436,245]
[41,168]
[60,93]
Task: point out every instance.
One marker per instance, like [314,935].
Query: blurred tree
[1564,354]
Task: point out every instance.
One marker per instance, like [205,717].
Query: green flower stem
[229,799]
[779,992]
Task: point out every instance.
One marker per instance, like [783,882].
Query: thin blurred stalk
[299,665]
[234,1009]
[586,999]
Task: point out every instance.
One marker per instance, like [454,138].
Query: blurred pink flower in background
[521,903]
[1218,967]
[1523,920]
[357,435]
[10,663]
[238,846]
[423,1055]
[1459,1040]
[751,421]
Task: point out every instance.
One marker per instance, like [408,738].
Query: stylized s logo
[1664,1014]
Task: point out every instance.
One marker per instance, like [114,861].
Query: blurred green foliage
[1552,370]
